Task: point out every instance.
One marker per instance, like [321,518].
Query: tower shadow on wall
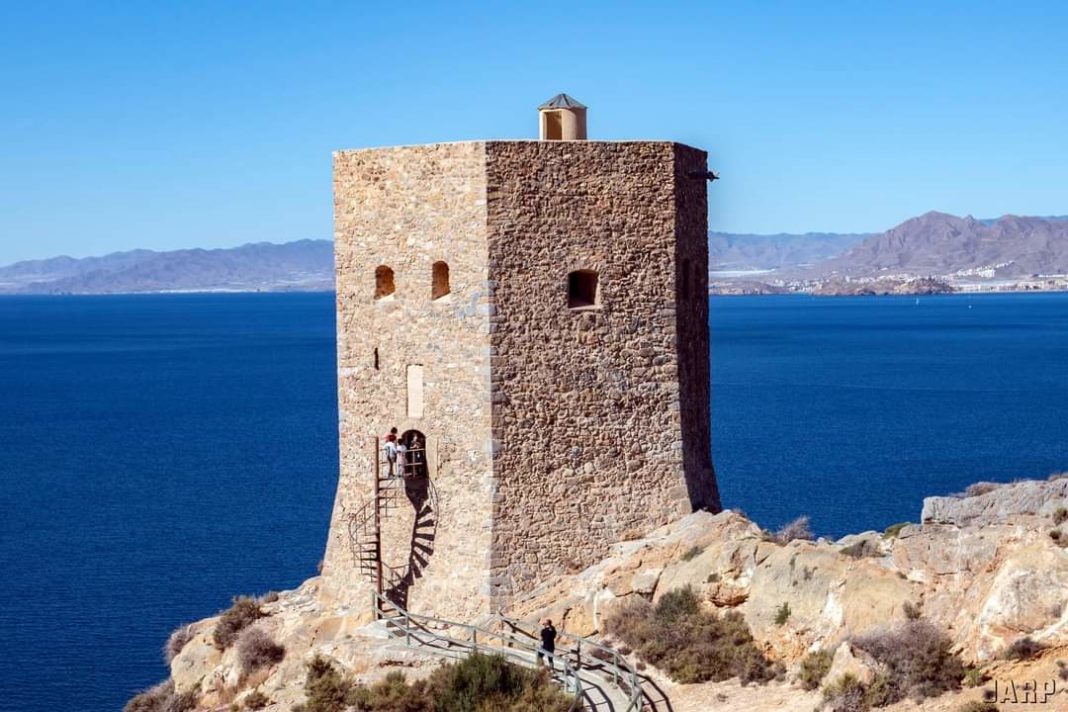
[419,491]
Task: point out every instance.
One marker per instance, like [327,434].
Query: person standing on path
[548,641]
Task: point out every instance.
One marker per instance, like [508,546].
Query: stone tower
[532,316]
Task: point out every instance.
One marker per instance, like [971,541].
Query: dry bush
[1023,649]
[162,698]
[256,649]
[782,614]
[692,645]
[846,694]
[980,488]
[797,529]
[178,640]
[917,658]
[862,548]
[912,611]
[1060,516]
[256,700]
[269,597]
[244,612]
[814,667]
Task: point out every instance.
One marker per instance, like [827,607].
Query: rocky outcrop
[984,568]
[998,502]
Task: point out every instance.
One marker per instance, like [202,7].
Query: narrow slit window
[415,391]
[440,281]
[384,286]
[376,359]
[583,289]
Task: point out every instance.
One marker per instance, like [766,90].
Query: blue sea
[159,454]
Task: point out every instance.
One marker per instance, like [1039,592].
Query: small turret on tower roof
[563,118]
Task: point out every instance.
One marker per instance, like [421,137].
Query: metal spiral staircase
[599,677]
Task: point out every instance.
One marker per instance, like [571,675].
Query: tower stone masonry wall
[552,432]
[592,436]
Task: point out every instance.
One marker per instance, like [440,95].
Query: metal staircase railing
[429,633]
[608,661]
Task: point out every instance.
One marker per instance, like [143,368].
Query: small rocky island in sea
[527,516]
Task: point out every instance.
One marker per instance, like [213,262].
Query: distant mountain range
[937,244]
[730,252]
[933,245]
[304,265]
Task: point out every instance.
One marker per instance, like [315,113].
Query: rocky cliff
[989,569]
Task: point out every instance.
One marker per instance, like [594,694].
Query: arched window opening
[415,455]
[582,289]
[384,282]
[440,286]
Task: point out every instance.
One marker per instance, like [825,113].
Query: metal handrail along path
[416,628]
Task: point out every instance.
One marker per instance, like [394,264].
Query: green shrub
[690,644]
[917,658]
[976,706]
[244,612]
[814,667]
[782,614]
[894,530]
[862,548]
[692,553]
[478,683]
[256,700]
[1023,649]
[974,677]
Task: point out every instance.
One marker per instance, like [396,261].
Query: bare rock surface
[985,569]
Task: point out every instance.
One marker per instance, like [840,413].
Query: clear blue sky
[168,125]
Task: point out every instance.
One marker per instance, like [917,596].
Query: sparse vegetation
[782,614]
[1023,649]
[269,597]
[974,677]
[162,698]
[256,700]
[713,577]
[980,488]
[847,694]
[911,610]
[797,529]
[178,640]
[256,649]
[1062,670]
[814,667]
[479,683]
[244,612]
[914,659]
[862,548]
[690,644]
[977,706]
[692,553]
[1060,516]
[894,530]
